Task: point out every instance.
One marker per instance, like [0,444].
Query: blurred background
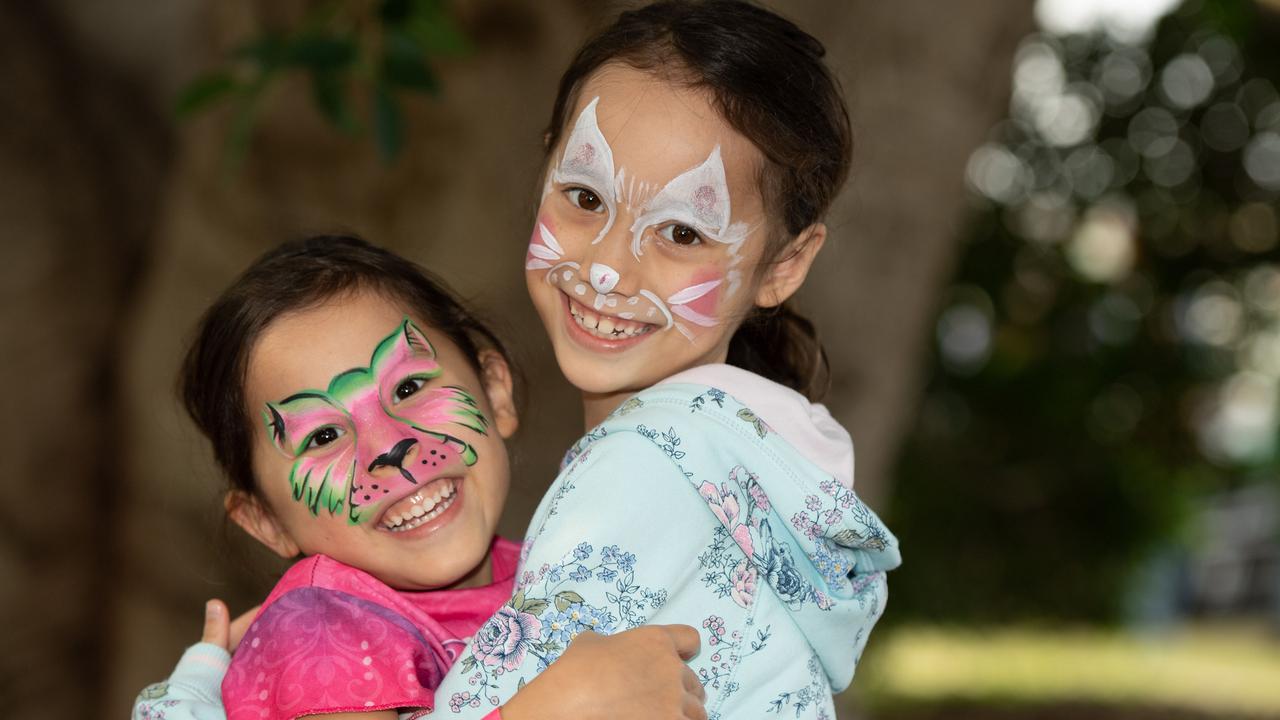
[1051,301]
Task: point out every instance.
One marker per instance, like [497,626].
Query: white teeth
[608,327]
[422,509]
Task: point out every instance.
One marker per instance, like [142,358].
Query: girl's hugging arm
[192,692]
[614,545]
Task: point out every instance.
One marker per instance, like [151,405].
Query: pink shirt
[331,638]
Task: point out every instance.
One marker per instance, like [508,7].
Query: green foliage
[341,48]
[1110,349]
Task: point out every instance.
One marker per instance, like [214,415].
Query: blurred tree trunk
[121,545]
[925,82]
[82,158]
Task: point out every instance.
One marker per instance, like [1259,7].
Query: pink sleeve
[316,651]
[495,715]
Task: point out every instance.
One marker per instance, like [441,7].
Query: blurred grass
[1218,670]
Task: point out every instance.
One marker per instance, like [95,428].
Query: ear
[783,278]
[254,518]
[499,390]
[416,339]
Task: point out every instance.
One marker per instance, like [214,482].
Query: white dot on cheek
[580,289]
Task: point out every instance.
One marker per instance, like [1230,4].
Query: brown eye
[681,234]
[585,199]
[407,388]
[322,437]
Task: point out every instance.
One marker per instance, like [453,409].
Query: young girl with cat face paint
[359,412]
[693,150]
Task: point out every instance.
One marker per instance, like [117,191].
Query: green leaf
[394,12]
[404,64]
[520,685]
[434,29]
[535,607]
[267,50]
[468,663]
[388,125]
[320,52]
[567,598]
[517,602]
[329,93]
[202,91]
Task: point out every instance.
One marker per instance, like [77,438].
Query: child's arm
[193,691]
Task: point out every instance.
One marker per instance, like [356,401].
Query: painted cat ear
[416,339]
[587,156]
[275,426]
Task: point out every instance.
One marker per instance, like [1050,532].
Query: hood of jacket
[791,508]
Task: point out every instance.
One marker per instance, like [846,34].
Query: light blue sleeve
[613,546]
[192,692]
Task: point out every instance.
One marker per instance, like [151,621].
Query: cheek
[545,250]
[698,301]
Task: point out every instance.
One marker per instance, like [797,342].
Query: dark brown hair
[767,78]
[295,276]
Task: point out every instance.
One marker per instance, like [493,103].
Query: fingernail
[211,609]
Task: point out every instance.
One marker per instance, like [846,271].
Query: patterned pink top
[331,638]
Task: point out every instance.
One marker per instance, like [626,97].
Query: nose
[603,278]
[610,262]
[394,458]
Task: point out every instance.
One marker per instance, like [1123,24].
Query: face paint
[377,433]
[697,198]
[588,161]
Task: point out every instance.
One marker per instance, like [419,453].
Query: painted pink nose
[603,278]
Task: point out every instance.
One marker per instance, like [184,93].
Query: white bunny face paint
[650,224]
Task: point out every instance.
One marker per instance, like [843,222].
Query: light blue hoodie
[686,506]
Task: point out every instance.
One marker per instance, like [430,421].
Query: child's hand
[637,674]
[220,630]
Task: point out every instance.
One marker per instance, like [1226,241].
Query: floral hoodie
[687,505]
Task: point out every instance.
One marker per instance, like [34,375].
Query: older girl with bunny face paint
[643,263]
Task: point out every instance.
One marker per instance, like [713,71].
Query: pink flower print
[831,517]
[503,640]
[812,502]
[828,487]
[724,505]
[744,584]
[761,500]
[715,625]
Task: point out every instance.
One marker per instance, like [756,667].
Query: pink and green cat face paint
[376,434]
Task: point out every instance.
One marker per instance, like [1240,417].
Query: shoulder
[316,649]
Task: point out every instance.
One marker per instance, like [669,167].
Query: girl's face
[651,226]
[378,445]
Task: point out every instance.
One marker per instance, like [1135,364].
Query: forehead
[658,129]
[306,349]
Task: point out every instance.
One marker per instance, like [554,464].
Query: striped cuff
[200,672]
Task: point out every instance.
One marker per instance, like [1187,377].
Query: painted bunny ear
[416,339]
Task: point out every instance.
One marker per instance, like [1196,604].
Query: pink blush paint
[697,303]
[544,250]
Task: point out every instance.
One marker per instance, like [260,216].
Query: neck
[597,406]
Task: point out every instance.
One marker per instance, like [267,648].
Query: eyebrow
[307,395]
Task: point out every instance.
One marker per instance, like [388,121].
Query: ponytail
[782,345]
